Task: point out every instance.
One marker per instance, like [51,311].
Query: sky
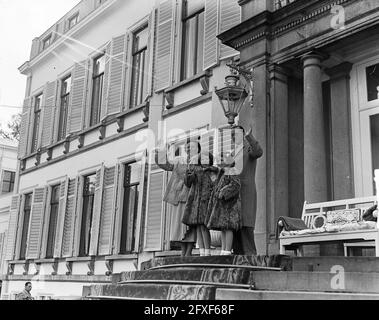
[20,22]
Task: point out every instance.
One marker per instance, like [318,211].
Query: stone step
[278,261]
[219,275]
[151,292]
[243,295]
[325,264]
[316,281]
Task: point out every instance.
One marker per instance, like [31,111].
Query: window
[372,74]
[97,89]
[25,225]
[36,124]
[65,100]
[8,181]
[193,38]
[139,70]
[46,42]
[88,201]
[73,21]
[132,189]
[54,207]
[374,129]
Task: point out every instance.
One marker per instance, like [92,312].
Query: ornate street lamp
[233,96]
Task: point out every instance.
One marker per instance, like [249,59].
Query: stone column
[342,182]
[315,169]
[278,144]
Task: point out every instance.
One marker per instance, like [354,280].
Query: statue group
[207,192]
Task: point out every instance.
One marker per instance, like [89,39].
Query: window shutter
[118,66]
[68,230]
[48,113]
[165,30]
[36,224]
[2,250]
[61,217]
[153,231]
[78,97]
[117,218]
[12,228]
[151,49]
[104,101]
[24,129]
[107,212]
[230,16]
[211,42]
[97,208]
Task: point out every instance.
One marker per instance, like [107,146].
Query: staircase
[245,278]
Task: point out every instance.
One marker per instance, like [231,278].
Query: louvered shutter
[107,212]
[230,16]
[12,228]
[2,250]
[151,49]
[165,30]
[118,66]
[24,129]
[68,230]
[97,207]
[104,100]
[36,224]
[211,42]
[117,219]
[61,218]
[48,113]
[78,97]
[154,215]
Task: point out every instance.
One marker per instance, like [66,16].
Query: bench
[319,211]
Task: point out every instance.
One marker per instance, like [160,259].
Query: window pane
[193,6]
[66,86]
[25,225]
[135,176]
[97,96]
[372,74]
[374,125]
[141,39]
[99,65]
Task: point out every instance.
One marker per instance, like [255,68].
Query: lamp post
[232,97]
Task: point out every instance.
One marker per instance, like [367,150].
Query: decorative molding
[91,267]
[38,268]
[49,154]
[11,269]
[81,141]
[120,123]
[146,112]
[109,264]
[26,266]
[204,81]
[69,268]
[66,146]
[189,104]
[170,98]
[22,165]
[55,266]
[102,129]
[38,158]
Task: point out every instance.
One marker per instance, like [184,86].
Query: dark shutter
[230,16]
[36,224]
[24,129]
[12,228]
[48,113]
[165,30]
[211,42]
[154,215]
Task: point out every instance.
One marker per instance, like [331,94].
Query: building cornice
[273,24]
[71,33]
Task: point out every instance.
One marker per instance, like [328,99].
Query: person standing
[26,295]
[244,242]
[176,196]
[224,210]
[198,180]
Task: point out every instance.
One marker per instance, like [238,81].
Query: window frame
[141,213]
[181,45]
[22,224]
[13,174]
[36,130]
[95,58]
[58,122]
[47,41]
[134,54]
[74,17]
